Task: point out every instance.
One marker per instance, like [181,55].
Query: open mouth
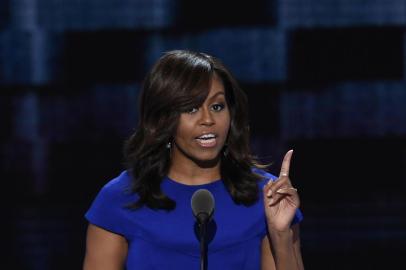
[207,140]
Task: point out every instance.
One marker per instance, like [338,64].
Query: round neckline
[198,186]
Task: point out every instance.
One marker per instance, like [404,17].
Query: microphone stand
[203,248]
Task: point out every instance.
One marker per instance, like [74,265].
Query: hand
[281,199]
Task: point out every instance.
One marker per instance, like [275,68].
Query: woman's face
[202,132]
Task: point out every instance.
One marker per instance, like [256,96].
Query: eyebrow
[217,94]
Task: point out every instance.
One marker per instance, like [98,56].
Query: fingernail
[280,191]
[269,193]
[270,201]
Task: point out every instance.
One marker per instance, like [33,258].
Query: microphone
[203,207]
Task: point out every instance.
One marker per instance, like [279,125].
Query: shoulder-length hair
[179,81]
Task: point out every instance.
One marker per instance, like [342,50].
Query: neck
[194,173]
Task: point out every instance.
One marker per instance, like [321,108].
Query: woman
[193,134]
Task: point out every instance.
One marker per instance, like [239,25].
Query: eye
[218,107]
[191,110]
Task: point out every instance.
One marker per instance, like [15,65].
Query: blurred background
[324,77]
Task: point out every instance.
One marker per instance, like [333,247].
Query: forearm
[283,250]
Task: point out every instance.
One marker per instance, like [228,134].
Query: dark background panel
[80,168]
[6,106]
[104,57]
[351,53]
[211,14]
[264,108]
[4,13]
[356,170]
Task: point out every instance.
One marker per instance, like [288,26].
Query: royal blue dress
[158,239]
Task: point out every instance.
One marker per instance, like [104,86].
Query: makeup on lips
[207,140]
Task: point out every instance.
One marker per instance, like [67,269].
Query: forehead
[216,87]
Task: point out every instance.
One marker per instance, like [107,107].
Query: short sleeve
[108,209]
[268,176]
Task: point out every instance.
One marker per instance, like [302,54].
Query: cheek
[227,123]
[184,130]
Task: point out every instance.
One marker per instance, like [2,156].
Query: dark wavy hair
[179,81]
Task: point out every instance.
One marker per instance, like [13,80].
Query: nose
[206,117]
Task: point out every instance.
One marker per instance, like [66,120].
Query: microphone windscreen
[202,203]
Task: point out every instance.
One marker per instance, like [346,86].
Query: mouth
[207,140]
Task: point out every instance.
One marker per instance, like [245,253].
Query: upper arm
[267,258]
[104,250]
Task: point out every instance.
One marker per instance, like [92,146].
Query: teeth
[207,136]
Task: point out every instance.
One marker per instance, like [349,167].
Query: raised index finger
[286,164]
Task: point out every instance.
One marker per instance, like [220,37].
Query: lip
[207,143]
[206,133]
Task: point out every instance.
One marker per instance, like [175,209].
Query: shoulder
[108,209]
[119,184]
[115,192]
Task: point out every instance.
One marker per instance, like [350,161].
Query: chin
[209,159]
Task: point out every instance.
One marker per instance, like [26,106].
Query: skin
[281,202]
[193,164]
[104,250]
[190,163]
